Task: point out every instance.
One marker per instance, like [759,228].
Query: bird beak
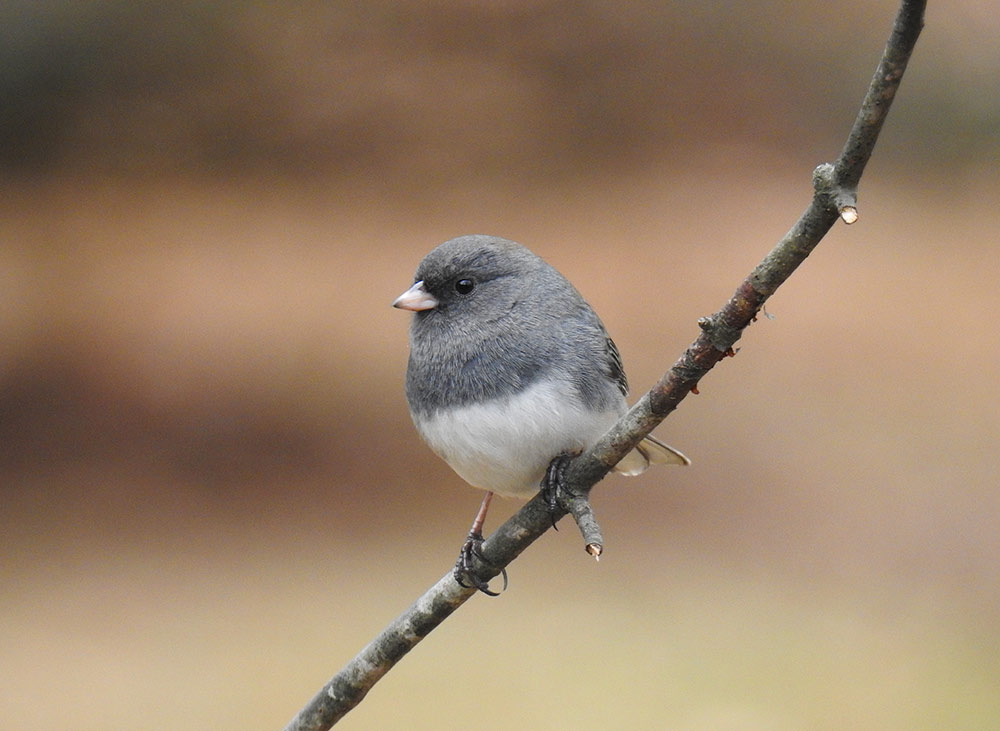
[416,299]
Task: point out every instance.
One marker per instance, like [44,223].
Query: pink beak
[416,299]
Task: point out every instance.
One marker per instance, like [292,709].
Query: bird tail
[650,451]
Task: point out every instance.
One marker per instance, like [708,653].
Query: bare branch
[835,197]
[875,107]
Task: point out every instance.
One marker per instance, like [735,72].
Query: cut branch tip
[595,550]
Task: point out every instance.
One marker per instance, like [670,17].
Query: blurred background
[211,494]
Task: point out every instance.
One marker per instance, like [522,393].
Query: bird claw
[553,484]
[465,570]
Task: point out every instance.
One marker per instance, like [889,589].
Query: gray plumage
[509,366]
[522,321]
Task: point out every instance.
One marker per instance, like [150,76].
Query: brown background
[212,495]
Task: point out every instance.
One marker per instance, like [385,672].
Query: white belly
[506,444]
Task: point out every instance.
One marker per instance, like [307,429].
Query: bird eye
[464,286]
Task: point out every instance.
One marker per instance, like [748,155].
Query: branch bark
[835,197]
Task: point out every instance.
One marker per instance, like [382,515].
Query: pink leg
[477,524]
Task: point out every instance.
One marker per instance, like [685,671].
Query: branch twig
[835,197]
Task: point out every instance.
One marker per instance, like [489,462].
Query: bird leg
[464,566]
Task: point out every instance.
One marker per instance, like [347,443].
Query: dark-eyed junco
[510,368]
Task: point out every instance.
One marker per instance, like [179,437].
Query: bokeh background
[212,495]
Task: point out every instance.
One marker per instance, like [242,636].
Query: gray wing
[614,364]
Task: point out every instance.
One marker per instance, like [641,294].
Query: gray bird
[509,369]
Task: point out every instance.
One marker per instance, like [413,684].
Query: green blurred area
[212,495]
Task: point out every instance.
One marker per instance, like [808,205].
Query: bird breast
[505,444]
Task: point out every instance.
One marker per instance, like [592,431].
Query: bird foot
[465,569]
[560,500]
[554,485]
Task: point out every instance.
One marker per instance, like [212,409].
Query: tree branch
[835,197]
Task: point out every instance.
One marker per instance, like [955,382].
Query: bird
[510,369]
